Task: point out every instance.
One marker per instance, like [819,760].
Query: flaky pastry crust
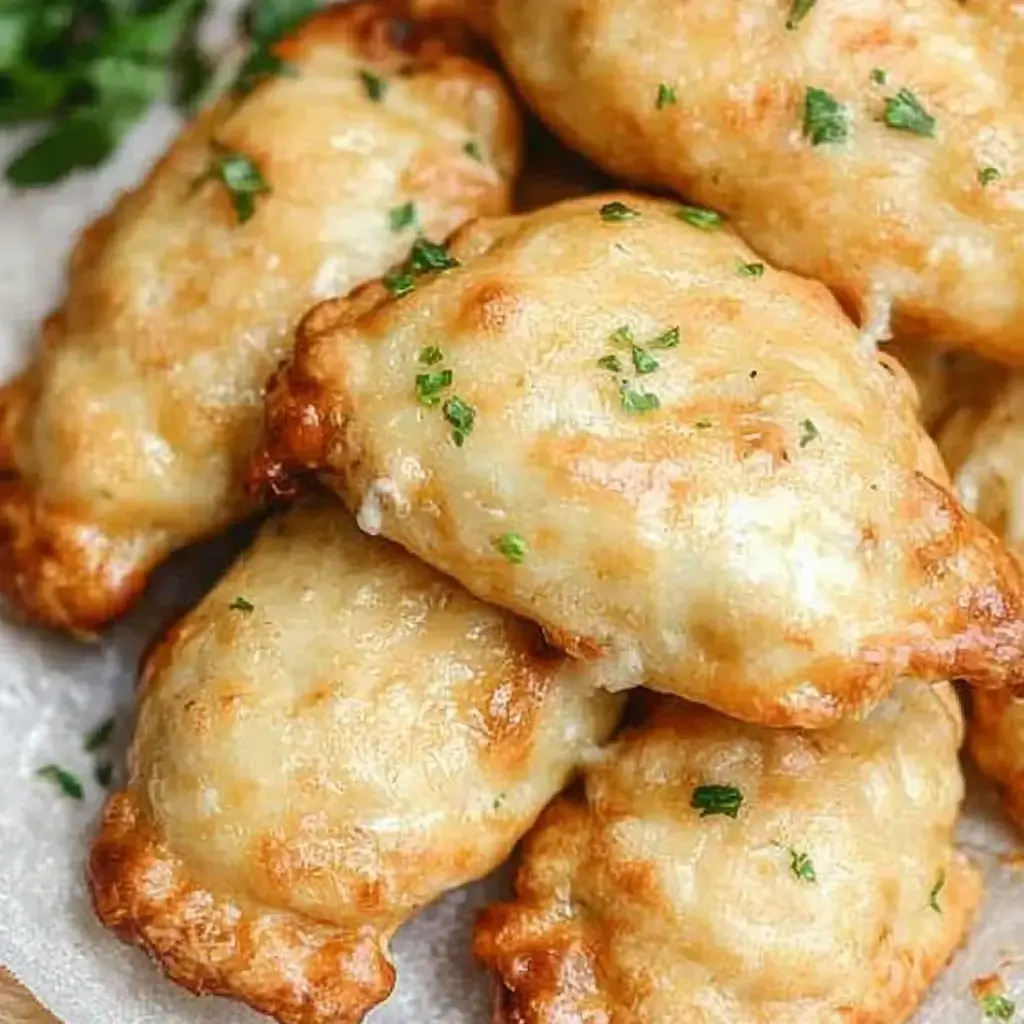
[774,539]
[131,433]
[833,897]
[709,98]
[335,737]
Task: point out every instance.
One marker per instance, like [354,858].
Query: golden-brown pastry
[717,873]
[666,453]
[332,739]
[131,433]
[875,145]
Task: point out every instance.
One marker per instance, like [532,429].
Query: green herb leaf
[635,401]
[622,336]
[711,800]
[616,211]
[374,85]
[399,282]
[426,256]
[699,217]
[987,175]
[666,96]
[103,772]
[82,141]
[798,11]
[750,270]
[513,546]
[643,361]
[430,355]
[460,415]
[68,783]
[825,119]
[667,339]
[242,604]
[271,19]
[703,424]
[905,113]
[610,363]
[933,896]
[430,385]
[808,433]
[242,178]
[802,866]
[998,1007]
[100,736]
[403,216]
[261,64]
[879,76]
[472,149]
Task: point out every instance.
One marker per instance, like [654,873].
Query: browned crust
[548,967]
[294,968]
[993,751]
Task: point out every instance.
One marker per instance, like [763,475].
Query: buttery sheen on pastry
[875,146]
[336,736]
[130,434]
[613,419]
[716,873]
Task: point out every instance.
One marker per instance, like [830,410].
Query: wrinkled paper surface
[53,691]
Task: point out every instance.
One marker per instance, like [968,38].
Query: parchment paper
[52,691]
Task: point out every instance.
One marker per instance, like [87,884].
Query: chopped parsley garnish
[399,283]
[699,217]
[802,866]
[616,211]
[703,424]
[261,64]
[513,546]
[68,783]
[100,736]
[403,216]
[879,76]
[374,85]
[798,11]
[643,361]
[610,363]
[825,119]
[667,339]
[103,772]
[808,432]
[430,355]
[622,336]
[905,113]
[933,896]
[426,256]
[988,174]
[472,148]
[997,1006]
[666,96]
[430,385]
[711,800]
[242,604]
[460,415]
[750,270]
[635,401]
[242,178]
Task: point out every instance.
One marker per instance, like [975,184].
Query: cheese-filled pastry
[609,416]
[715,872]
[130,434]
[876,146]
[336,736]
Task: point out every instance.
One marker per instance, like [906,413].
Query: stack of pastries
[516,464]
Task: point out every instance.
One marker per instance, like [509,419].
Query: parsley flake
[616,211]
[825,118]
[879,76]
[699,217]
[808,432]
[987,175]
[403,216]
[426,256]
[242,604]
[68,783]
[802,866]
[998,1007]
[667,339]
[472,149]
[637,402]
[905,113]
[99,737]
[430,355]
[798,11]
[610,363]
[374,85]
[703,424]
[666,96]
[711,800]
[102,773]
[242,178]
[430,385]
[643,361]
[399,283]
[460,415]
[933,896]
[622,336]
[513,546]
[750,270]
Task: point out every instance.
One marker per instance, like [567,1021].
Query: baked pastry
[715,872]
[874,146]
[130,434]
[332,739]
[678,460]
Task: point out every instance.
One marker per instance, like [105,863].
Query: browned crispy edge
[58,566]
[989,751]
[548,968]
[292,967]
